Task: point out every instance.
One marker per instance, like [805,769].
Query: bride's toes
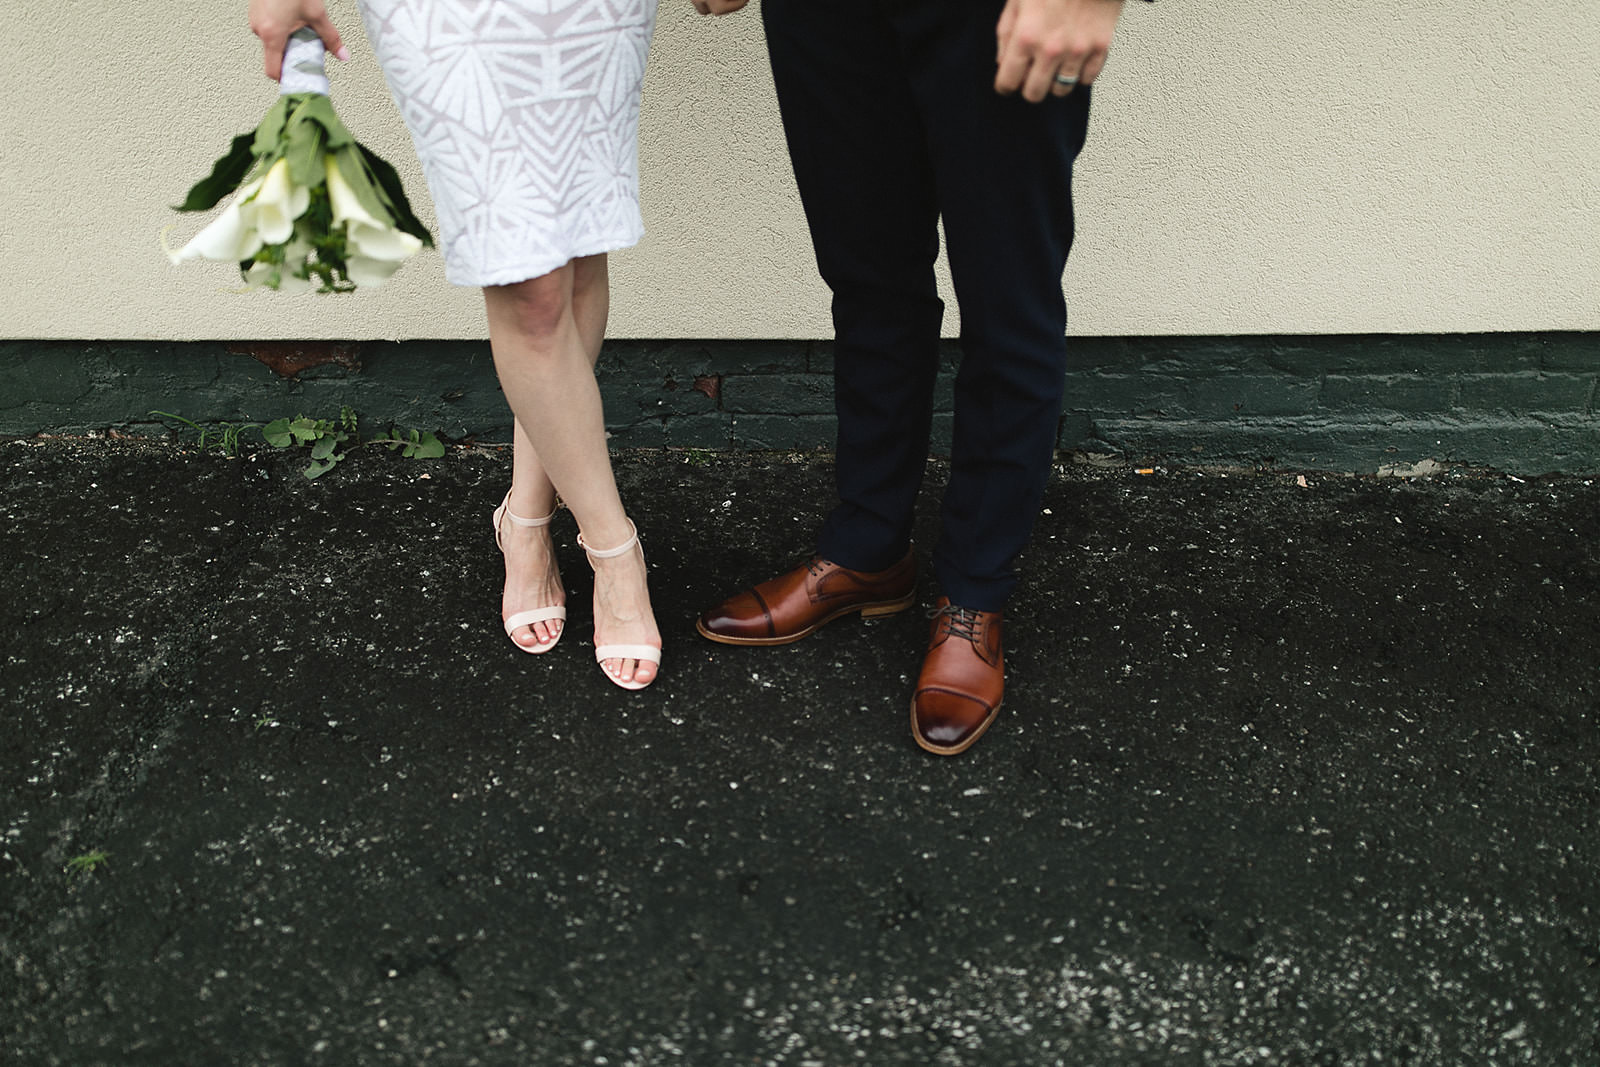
[538,635]
[641,671]
[628,670]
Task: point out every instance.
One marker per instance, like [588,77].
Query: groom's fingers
[1038,40]
[1002,30]
[1092,68]
[1013,60]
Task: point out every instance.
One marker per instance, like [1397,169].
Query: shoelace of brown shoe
[958,621]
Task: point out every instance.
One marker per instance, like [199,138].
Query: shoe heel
[894,607]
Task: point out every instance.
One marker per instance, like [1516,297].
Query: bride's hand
[274,20]
[718,7]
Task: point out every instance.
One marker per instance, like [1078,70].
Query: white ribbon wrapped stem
[303,64]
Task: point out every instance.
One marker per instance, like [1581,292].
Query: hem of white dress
[538,268]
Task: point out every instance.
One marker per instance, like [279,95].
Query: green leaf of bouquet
[388,182]
[305,142]
[277,433]
[319,467]
[317,108]
[226,175]
[323,448]
[269,134]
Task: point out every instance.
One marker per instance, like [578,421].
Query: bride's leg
[532,580]
[545,369]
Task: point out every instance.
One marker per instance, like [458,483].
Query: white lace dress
[525,114]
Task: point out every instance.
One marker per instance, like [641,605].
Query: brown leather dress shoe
[800,602]
[963,679]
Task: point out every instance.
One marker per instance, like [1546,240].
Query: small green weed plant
[328,441]
[224,440]
[86,864]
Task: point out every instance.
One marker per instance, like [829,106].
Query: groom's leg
[860,157]
[1004,175]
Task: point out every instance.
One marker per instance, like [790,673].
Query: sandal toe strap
[528,618]
[649,653]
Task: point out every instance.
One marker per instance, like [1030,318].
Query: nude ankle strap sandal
[526,618]
[648,653]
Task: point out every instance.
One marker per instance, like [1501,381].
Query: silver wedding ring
[1066,79]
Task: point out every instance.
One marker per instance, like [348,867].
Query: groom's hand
[1040,39]
[718,7]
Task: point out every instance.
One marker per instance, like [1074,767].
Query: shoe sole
[874,610]
[951,750]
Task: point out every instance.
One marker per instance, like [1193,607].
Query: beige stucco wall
[1255,166]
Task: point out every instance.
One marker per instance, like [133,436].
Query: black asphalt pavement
[1290,771]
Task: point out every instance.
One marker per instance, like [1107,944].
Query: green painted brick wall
[1518,402]
[796,394]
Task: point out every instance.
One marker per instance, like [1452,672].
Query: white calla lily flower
[284,275]
[230,237]
[369,273]
[366,238]
[294,260]
[386,243]
[277,203]
[259,275]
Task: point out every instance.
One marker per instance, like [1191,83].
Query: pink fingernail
[342,53]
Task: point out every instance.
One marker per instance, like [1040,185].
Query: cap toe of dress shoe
[945,721]
[741,615]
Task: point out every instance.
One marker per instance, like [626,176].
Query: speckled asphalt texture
[1287,774]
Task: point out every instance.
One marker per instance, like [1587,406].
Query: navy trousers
[893,124]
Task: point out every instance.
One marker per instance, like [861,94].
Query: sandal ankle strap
[609,553]
[505,509]
[518,520]
[504,512]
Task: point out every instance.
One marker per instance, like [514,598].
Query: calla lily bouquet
[313,208]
